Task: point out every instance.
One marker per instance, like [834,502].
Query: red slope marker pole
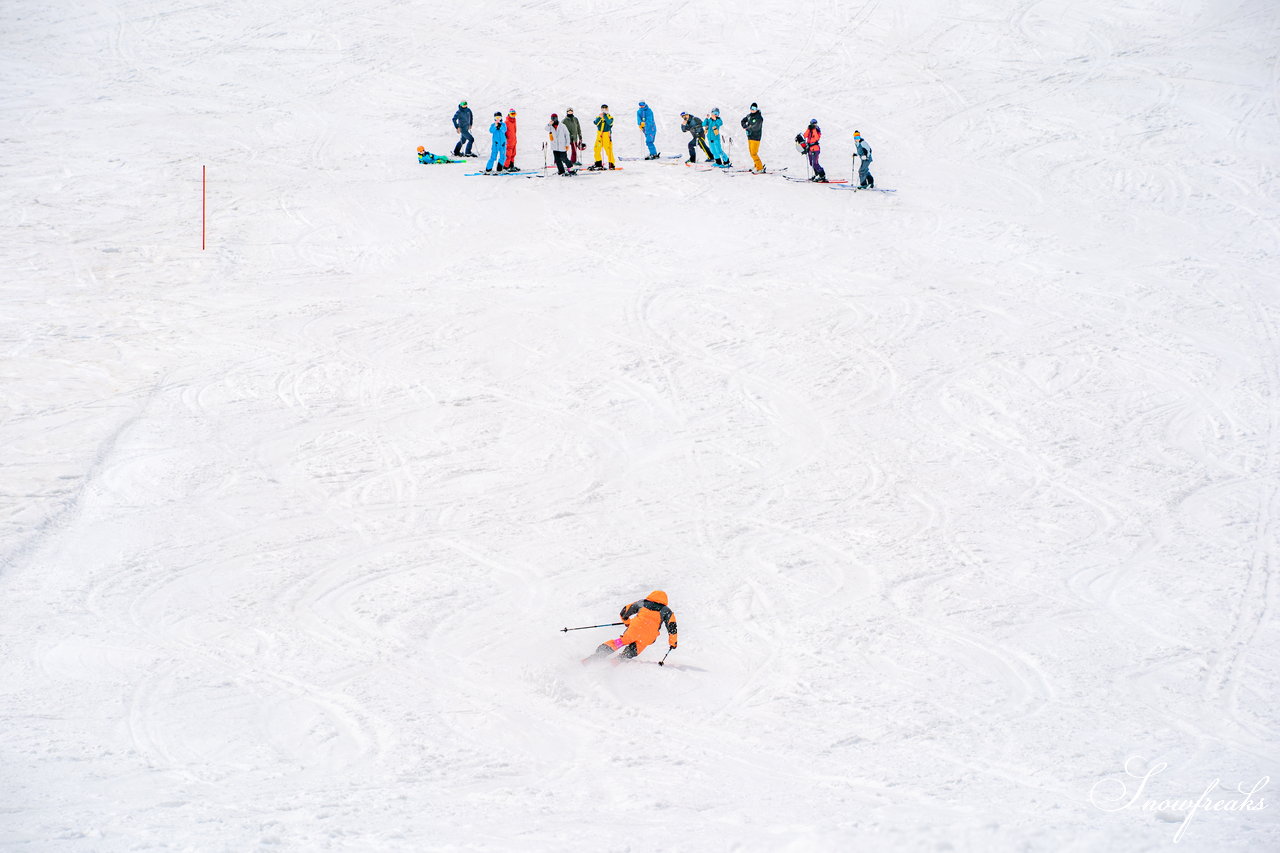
[203,184]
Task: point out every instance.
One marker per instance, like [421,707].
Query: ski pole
[585,627]
[664,657]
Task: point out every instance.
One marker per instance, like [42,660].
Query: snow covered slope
[965,496]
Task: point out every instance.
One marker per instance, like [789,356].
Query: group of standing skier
[564,140]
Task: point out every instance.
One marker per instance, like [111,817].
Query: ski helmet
[462,104]
[604,106]
[511,112]
[421,150]
[642,104]
[813,121]
[855,133]
[553,115]
[716,111]
[755,106]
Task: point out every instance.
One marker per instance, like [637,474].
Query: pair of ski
[659,157]
[506,174]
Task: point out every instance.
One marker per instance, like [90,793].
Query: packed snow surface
[965,496]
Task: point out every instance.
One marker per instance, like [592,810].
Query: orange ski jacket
[812,135]
[644,618]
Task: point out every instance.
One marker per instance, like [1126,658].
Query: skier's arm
[671,628]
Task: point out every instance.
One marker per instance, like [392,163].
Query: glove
[642,125]
[673,645]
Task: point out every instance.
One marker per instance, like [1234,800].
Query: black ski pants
[694,144]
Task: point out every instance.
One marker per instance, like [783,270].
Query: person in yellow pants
[604,139]
[753,124]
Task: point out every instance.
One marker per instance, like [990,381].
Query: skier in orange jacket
[643,619]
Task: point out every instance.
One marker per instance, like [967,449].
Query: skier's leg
[599,145]
[753,145]
[693,151]
[629,652]
[702,143]
[649,136]
[608,147]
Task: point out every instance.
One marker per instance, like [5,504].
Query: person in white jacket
[558,136]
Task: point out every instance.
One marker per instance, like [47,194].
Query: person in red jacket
[643,619]
[810,144]
[510,165]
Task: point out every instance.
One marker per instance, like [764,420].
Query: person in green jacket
[604,138]
[575,136]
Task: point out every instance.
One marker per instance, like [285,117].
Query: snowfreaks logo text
[1114,794]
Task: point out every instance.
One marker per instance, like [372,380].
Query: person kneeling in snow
[643,619]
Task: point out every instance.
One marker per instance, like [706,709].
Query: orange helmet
[421,150]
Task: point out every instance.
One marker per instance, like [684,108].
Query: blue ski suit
[462,121]
[644,118]
[498,154]
[712,125]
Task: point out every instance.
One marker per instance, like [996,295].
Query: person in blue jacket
[498,154]
[462,124]
[712,125]
[644,118]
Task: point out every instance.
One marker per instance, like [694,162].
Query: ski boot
[596,167]
[821,179]
[611,166]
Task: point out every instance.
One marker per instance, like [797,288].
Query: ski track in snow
[964,495]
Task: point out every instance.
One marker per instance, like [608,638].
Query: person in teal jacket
[712,126]
[604,138]
[644,120]
[498,154]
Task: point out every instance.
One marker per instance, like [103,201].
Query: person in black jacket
[462,124]
[576,144]
[693,126]
[753,124]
